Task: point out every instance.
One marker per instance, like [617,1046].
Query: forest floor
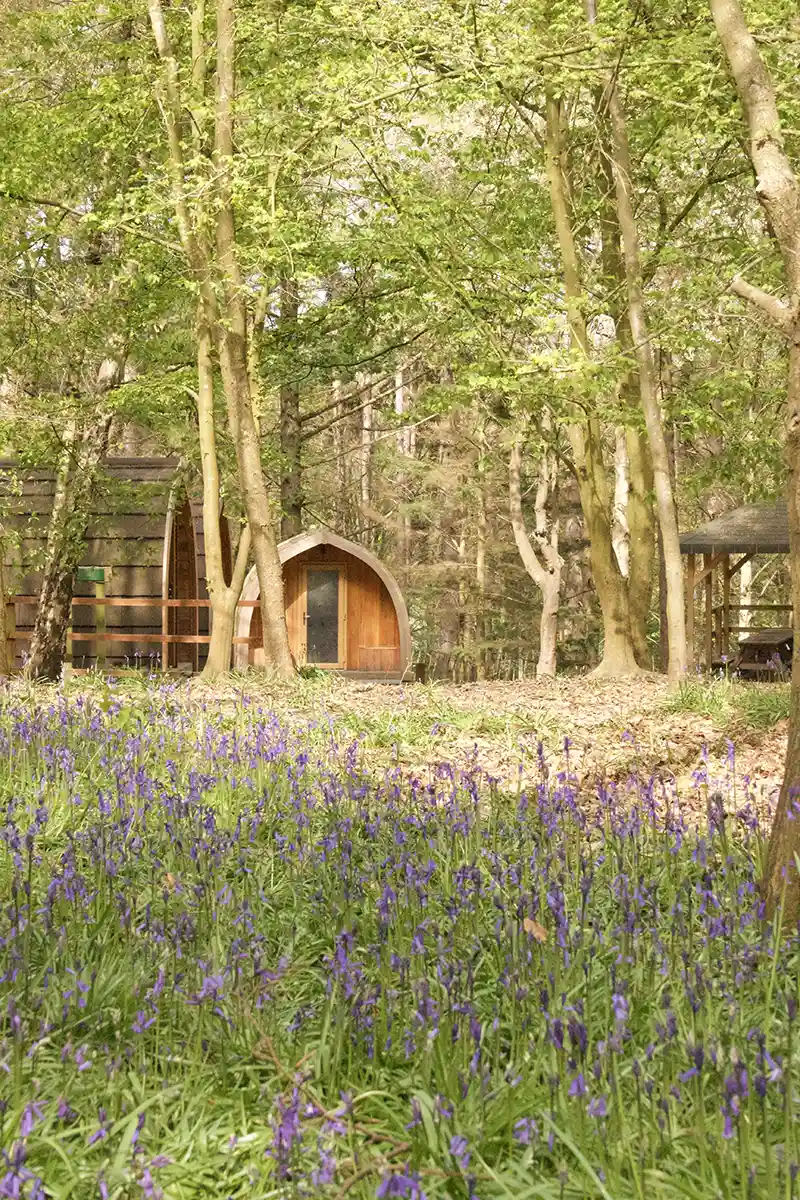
[615,728]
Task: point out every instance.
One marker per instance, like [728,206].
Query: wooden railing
[103,637]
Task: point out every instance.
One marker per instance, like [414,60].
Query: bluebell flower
[459,1148]
[403,1183]
[526,1131]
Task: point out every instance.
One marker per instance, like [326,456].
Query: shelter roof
[761,528]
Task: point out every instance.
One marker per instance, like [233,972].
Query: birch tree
[539,554]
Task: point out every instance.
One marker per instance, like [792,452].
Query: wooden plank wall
[126,535]
[373,633]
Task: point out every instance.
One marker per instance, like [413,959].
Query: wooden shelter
[144,547]
[344,609]
[715,552]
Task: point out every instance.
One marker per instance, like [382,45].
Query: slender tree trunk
[404,448]
[343,501]
[291,470]
[642,531]
[223,600]
[480,554]
[222,597]
[366,463]
[444,552]
[778,191]
[466,629]
[585,439]
[745,593]
[621,535]
[234,361]
[547,574]
[643,350]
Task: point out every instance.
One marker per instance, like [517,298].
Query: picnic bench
[765,653]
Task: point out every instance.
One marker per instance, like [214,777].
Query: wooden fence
[103,637]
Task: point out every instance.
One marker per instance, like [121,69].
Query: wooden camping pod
[344,609]
[147,534]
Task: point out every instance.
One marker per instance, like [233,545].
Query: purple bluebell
[403,1183]
[459,1148]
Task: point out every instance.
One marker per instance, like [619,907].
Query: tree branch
[42,201]
[530,559]
[777,310]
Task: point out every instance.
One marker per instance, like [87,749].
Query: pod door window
[324,616]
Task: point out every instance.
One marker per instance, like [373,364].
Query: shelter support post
[724,648]
[708,580]
[11,634]
[100,620]
[164,635]
[691,571]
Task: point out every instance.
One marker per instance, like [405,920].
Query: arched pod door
[344,609]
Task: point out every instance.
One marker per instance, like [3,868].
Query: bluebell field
[237,964]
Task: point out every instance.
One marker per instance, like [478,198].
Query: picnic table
[764,652]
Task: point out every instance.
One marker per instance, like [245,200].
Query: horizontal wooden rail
[754,607]
[748,629]
[200,639]
[101,635]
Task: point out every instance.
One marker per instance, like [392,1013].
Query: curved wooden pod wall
[375,635]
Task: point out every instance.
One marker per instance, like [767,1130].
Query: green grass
[732,705]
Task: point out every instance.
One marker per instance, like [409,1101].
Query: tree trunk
[232,335]
[621,534]
[343,493]
[198,255]
[642,530]
[254,493]
[781,883]
[547,576]
[404,448]
[223,597]
[745,594]
[639,515]
[480,554]
[779,193]
[291,470]
[366,461]
[643,350]
[66,538]
[618,652]
[223,612]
